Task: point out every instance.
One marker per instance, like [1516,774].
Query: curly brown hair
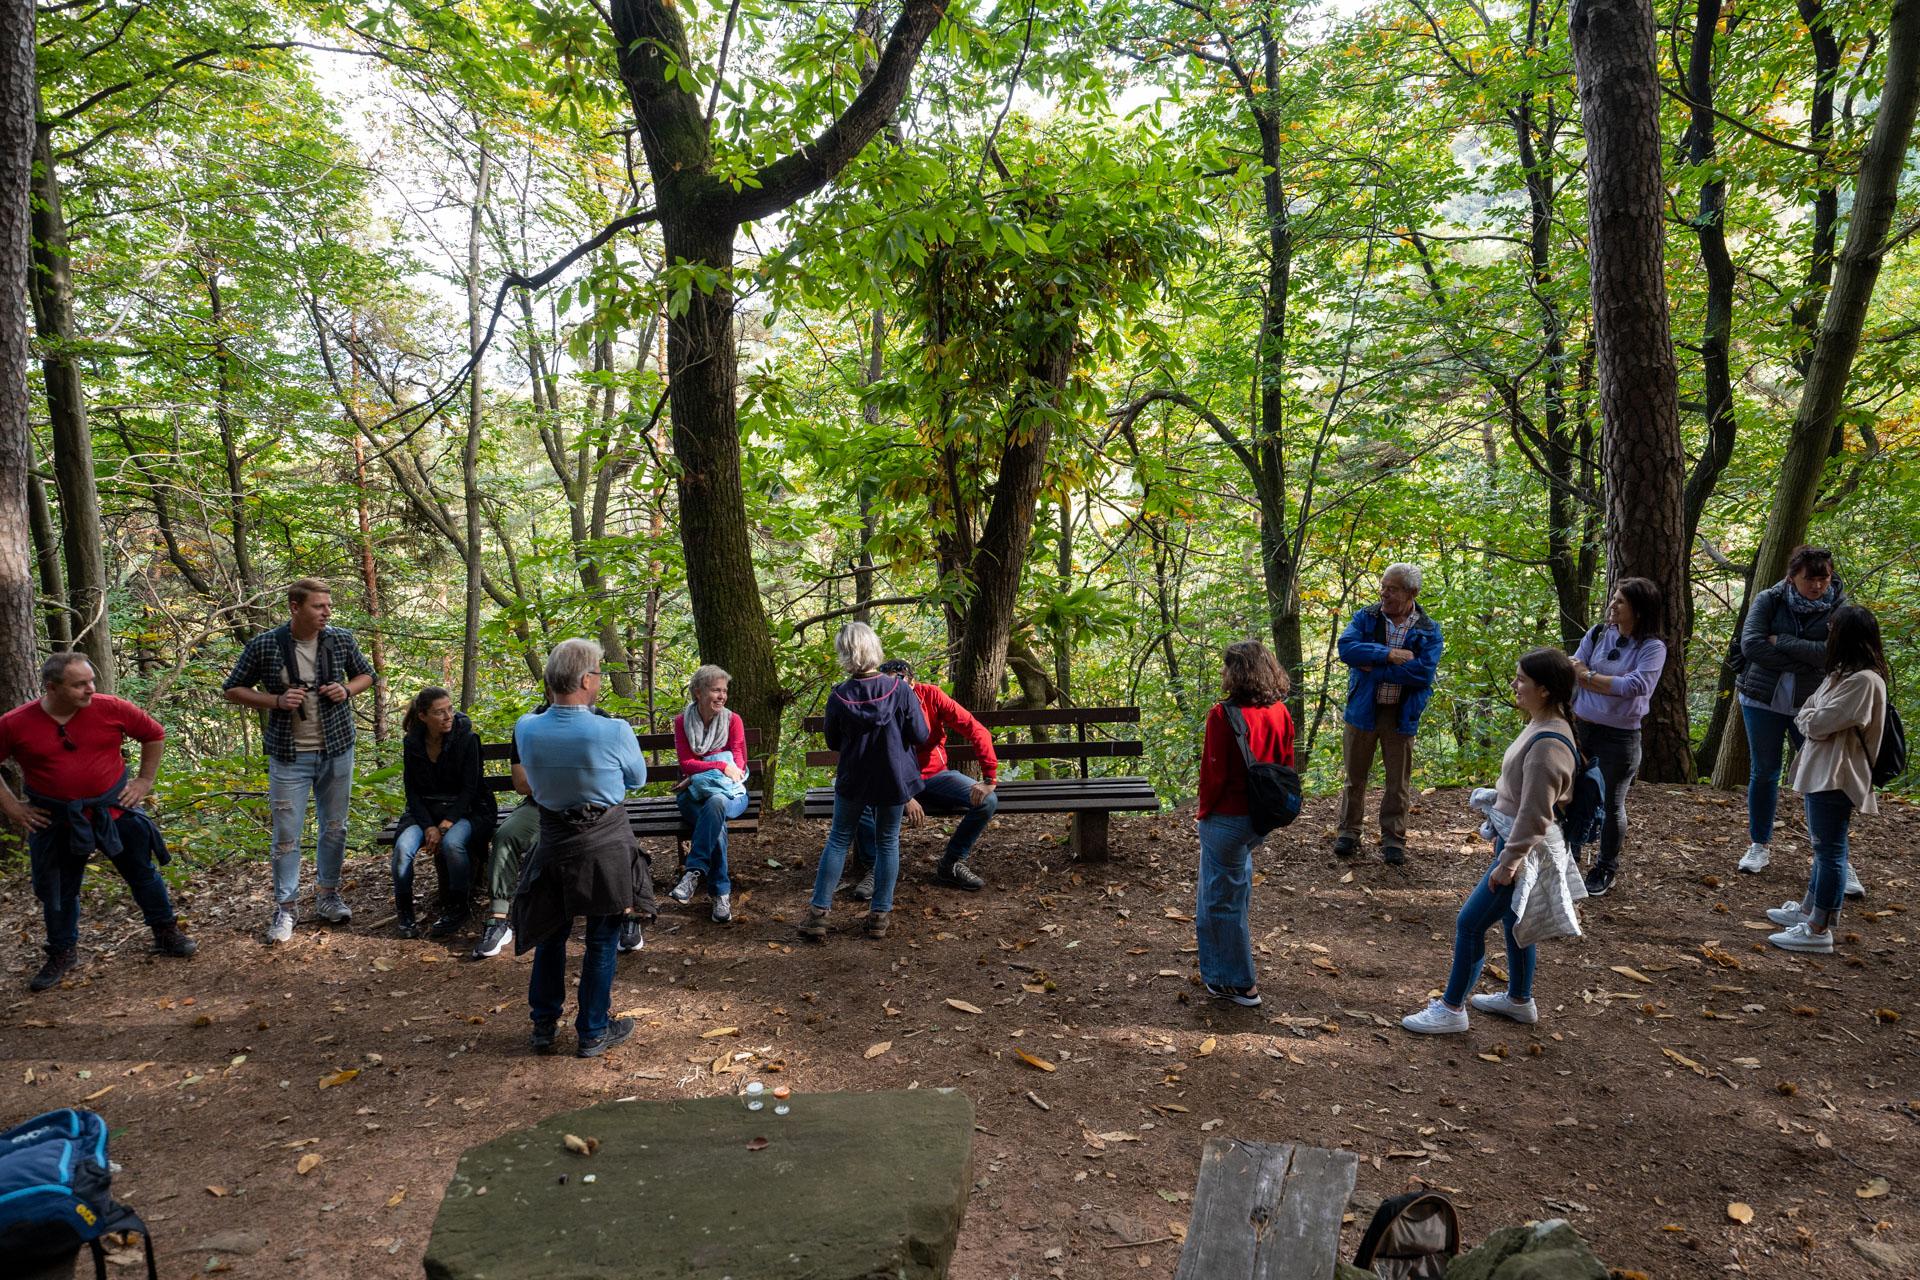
[1253,678]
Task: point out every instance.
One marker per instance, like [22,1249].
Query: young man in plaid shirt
[304,676]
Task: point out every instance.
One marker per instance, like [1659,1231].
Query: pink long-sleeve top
[691,764]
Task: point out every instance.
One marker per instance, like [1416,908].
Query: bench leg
[1089,842]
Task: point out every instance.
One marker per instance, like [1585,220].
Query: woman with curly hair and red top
[1253,683]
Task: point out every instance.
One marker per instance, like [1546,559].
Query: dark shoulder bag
[1273,790]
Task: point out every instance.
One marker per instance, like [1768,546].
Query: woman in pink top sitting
[711,742]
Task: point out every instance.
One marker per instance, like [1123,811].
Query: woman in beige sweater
[1843,722]
[1532,782]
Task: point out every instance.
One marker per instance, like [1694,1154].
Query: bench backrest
[663,763]
[1001,724]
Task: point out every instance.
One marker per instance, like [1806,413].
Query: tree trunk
[1856,271]
[51,285]
[1613,49]
[19,670]
[1063,641]
[597,470]
[46,554]
[254,615]
[370,584]
[470,450]
[870,414]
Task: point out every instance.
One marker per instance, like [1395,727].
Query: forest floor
[1681,1068]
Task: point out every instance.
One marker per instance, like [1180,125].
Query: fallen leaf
[875,1050]
[756,1144]
[98,1093]
[1875,1188]
[718,1032]
[1487,1057]
[1886,1015]
[1347,878]
[393,1201]
[216,1191]
[1628,971]
[1740,1213]
[1206,1047]
[1208,1126]
[1684,1061]
[1027,1058]
[308,1163]
[961,1005]
[339,1077]
[580,1146]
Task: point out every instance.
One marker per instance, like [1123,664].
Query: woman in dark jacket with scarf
[1784,645]
[449,809]
[874,721]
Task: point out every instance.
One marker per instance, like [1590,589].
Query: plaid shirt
[263,665]
[1387,693]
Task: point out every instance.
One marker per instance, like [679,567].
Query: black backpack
[1412,1237]
[1584,813]
[1273,790]
[1892,760]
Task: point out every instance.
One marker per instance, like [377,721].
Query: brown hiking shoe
[59,964]
[814,927]
[169,941]
[877,923]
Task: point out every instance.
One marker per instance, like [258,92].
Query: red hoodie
[943,713]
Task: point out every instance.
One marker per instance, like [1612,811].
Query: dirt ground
[1681,1068]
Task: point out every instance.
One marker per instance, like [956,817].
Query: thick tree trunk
[470,449]
[19,673]
[46,555]
[1855,273]
[1613,50]
[51,286]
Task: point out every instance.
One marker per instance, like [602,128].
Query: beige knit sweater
[1843,721]
[1531,783]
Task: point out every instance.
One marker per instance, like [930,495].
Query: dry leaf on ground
[875,1050]
[308,1163]
[962,1006]
[1740,1213]
[339,1077]
[1206,1046]
[1032,1061]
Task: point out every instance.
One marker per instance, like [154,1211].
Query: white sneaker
[1756,858]
[281,930]
[1801,937]
[1787,914]
[1502,1005]
[688,886]
[1855,889]
[1436,1020]
[722,908]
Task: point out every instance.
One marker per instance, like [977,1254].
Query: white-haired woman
[874,721]
[712,745]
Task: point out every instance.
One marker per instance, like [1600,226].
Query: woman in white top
[1843,722]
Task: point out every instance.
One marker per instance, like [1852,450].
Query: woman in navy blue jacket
[874,721]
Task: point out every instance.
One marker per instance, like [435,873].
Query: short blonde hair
[859,648]
[705,676]
[297,593]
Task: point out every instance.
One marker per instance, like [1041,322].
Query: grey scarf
[706,736]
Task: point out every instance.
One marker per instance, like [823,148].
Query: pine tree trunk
[1855,273]
[51,286]
[19,670]
[1613,49]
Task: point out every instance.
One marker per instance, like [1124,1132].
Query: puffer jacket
[1800,644]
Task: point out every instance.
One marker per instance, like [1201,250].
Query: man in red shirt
[81,799]
[946,790]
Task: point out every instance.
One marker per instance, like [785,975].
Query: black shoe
[863,891]
[1346,846]
[448,924]
[959,875]
[59,964]
[631,939]
[497,937]
[1600,878]
[543,1037]
[1393,855]
[1245,997]
[169,941]
[616,1031]
[407,927]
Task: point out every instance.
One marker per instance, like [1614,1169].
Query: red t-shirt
[97,731]
[1223,774]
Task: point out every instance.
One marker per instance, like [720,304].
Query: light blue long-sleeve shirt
[574,757]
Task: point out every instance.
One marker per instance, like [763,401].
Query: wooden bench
[1088,799]
[1266,1211]
[655,815]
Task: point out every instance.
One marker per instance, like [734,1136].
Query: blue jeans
[708,852]
[1227,842]
[56,882]
[547,986]
[329,780]
[886,863]
[1487,903]
[453,861]
[1766,735]
[948,791]
[1828,815]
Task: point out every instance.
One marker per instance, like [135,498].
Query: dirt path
[1680,1064]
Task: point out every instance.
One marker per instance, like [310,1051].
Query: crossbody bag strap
[1240,733]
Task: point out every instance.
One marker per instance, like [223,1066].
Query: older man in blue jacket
[1392,650]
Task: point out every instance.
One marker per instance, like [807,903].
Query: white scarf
[706,736]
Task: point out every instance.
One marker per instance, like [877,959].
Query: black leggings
[1618,751]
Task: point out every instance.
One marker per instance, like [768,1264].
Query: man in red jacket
[947,790]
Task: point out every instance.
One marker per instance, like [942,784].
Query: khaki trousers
[1396,750]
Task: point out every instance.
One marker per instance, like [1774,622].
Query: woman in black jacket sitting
[449,809]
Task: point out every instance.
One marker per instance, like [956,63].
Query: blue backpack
[1582,816]
[54,1191]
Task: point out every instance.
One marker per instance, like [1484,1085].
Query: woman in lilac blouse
[1616,668]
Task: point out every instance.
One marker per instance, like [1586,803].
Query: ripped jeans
[329,780]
